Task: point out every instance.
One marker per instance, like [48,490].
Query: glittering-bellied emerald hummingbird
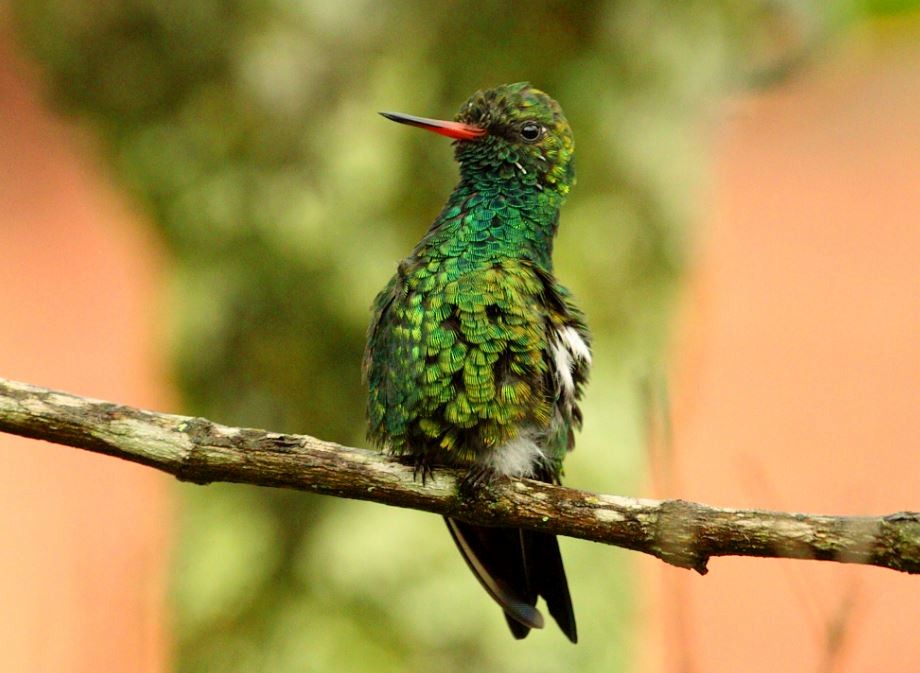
[476,355]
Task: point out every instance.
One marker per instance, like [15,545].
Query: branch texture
[684,534]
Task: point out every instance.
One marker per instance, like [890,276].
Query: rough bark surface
[684,534]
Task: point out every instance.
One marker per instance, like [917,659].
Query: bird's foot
[421,466]
[476,478]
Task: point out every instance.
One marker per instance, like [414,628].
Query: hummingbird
[476,356]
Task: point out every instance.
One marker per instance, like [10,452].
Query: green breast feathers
[459,364]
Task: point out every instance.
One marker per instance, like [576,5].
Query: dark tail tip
[515,567]
[547,575]
[495,556]
[518,630]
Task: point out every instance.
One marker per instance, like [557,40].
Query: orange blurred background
[797,378]
[85,538]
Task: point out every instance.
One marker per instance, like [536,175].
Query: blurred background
[199,203]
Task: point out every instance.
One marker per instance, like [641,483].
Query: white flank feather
[575,344]
[568,347]
[518,458]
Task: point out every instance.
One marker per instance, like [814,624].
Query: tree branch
[684,534]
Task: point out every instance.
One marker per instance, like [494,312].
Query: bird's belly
[519,457]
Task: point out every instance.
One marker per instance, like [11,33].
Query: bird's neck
[484,222]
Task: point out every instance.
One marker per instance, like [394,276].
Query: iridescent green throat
[484,223]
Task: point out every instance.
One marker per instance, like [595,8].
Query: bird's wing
[386,365]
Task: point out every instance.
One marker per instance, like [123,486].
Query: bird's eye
[531,131]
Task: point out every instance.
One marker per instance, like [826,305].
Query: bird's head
[513,133]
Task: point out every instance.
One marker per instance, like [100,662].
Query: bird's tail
[515,567]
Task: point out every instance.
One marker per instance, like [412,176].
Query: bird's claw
[475,478]
[421,466]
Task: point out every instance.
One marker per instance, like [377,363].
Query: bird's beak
[456,130]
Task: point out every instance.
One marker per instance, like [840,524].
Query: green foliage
[247,130]
[883,7]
